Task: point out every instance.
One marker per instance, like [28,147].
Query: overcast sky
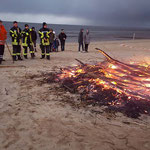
[134,13]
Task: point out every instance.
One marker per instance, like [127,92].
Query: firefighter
[27,42]
[3,37]
[15,33]
[44,37]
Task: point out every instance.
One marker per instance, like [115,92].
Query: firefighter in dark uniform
[15,33]
[27,42]
[44,45]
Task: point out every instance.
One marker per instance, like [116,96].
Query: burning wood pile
[122,87]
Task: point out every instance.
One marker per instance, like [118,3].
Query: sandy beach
[35,116]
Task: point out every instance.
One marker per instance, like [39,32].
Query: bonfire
[119,86]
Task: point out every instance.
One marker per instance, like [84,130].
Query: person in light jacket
[86,40]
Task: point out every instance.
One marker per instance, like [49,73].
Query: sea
[97,33]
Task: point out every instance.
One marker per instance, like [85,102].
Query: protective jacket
[44,36]
[3,35]
[15,33]
[26,37]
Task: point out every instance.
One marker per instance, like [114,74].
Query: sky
[123,13]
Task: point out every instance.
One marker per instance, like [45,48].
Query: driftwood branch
[80,62]
[123,65]
[106,55]
[4,66]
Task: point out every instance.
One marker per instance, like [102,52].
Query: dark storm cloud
[99,12]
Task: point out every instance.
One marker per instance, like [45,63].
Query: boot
[48,57]
[14,58]
[43,56]
[25,56]
[32,55]
[19,57]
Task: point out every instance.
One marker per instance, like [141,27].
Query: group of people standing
[27,39]
[48,40]
[84,40]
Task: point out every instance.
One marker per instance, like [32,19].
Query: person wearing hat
[34,37]
[44,41]
[62,37]
[3,37]
[27,42]
[15,33]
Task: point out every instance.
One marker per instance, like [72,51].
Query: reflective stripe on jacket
[26,38]
[44,36]
[15,34]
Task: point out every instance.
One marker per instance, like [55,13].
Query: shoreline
[96,41]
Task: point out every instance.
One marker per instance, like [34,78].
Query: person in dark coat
[33,37]
[62,37]
[51,39]
[80,40]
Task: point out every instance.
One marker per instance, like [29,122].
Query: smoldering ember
[119,86]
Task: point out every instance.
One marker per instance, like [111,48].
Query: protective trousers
[16,52]
[45,48]
[25,51]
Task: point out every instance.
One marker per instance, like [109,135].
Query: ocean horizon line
[100,26]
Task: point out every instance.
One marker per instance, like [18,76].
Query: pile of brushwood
[121,87]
